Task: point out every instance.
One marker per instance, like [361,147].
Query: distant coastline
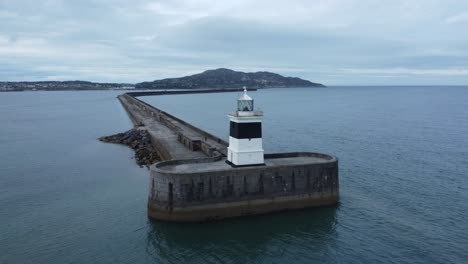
[217,79]
[62,86]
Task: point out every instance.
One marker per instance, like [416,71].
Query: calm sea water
[67,198]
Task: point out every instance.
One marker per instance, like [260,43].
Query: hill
[226,78]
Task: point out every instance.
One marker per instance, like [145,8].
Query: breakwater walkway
[172,137]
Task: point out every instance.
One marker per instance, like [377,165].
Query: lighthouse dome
[245,102]
[245,96]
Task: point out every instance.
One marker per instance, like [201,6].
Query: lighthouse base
[244,165]
[240,158]
[209,189]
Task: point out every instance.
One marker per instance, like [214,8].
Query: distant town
[62,86]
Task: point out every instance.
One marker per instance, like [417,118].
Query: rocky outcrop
[140,141]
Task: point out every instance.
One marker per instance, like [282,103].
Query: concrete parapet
[194,138]
[206,189]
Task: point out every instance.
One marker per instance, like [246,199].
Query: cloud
[458,18]
[330,41]
[406,71]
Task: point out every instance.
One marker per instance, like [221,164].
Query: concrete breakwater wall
[156,120]
[200,190]
[194,183]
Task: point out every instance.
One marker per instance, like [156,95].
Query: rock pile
[139,140]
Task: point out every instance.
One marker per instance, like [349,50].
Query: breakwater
[172,137]
[194,183]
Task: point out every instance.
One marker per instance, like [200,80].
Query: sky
[334,42]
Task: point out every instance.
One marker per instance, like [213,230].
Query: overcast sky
[335,42]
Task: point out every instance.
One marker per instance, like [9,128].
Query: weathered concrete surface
[222,165]
[172,137]
[165,139]
[201,190]
[257,206]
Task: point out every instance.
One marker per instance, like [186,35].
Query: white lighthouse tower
[245,134]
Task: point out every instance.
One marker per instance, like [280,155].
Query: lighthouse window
[245,105]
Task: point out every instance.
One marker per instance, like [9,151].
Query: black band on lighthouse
[246,130]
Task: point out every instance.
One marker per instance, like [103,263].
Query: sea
[66,197]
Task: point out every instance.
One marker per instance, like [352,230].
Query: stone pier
[194,183]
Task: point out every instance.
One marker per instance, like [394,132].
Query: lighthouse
[245,134]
